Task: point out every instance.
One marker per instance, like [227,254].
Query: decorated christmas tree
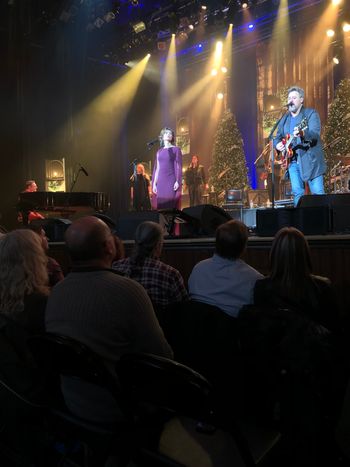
[337,131]
[228,169]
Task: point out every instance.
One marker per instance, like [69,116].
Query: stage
[330,257]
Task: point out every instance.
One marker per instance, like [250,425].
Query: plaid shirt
[163,283]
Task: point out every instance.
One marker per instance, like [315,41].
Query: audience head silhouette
[23,269]
[290,255]
[231,239]
[90,242]
[148,240]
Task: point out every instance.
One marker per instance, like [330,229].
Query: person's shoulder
[250,269]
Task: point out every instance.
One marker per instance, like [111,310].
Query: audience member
[291,283]
[225,280]
[53,268]
[23,296]
[163,283]
[23,279]
[109,313]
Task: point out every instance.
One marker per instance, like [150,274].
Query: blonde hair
[143,170]
[23,269]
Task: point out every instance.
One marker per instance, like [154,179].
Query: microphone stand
[272,157]
[75,178]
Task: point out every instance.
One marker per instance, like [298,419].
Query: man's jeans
[316,184]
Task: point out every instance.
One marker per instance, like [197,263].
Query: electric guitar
[288,152]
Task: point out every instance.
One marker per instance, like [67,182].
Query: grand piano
[61,204]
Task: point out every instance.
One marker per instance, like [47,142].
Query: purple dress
[169,161]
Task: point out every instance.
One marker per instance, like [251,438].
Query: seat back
[78,379]
[166,384]
[61,355]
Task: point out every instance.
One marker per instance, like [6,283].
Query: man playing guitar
[298,139]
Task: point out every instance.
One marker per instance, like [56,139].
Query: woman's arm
[156,173]
[178,169]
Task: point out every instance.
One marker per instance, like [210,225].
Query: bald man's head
[89,239]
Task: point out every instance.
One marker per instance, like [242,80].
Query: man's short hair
[231,239]
[86,245]
[297,89]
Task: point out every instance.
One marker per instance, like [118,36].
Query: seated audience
[291,283]
[225,280]
[53,268]
[163,283]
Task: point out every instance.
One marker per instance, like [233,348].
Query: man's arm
[313,131]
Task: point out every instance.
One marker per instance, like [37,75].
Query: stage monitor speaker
[331,200]
[129,221]
[270,221]
[209,217]
[55,228]
[341,219]
[311,220]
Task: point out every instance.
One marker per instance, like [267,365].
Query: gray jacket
[310,156]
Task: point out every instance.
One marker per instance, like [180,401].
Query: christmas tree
[337,130]
[228,169]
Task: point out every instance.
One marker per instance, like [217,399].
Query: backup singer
[168,172]
[195,180]
[306,161]
[140,189]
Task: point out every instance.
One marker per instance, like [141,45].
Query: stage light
[134,2]
[204,7]
[138,27]
[224,69]
[251,26]
[336,60]
[148,55]
[330,32]
[219,45]
[346,27]
[191,27]
[200,46]
[336,2]
[214,72]
[244,5]
[220,95]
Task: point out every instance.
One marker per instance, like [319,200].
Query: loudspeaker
[341,219]
[270,221]
[311,220]
[55,228]
[331,200]
[209,217]
[128,222]
[339,209]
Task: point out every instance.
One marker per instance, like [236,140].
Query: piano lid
[50,199]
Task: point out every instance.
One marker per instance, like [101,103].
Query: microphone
[153,141]
[83,170]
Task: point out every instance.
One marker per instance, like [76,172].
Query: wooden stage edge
[330,257]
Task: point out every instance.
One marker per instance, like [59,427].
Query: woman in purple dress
[168,172]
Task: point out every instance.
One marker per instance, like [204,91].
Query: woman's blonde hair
[23,269]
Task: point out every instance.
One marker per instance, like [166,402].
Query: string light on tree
[228,169]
